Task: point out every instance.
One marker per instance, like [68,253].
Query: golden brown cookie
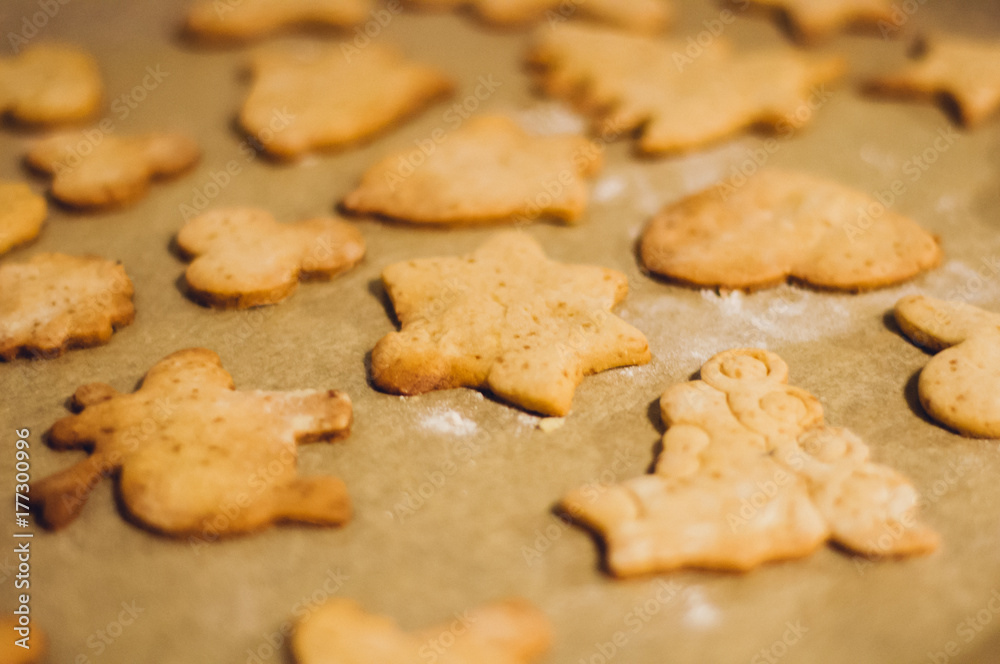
[22,213]
[242,257]
[812,20]
[94,169]
[512,631]
[22,644]
[749,473]
[633,84]
[780,225]
[326,96]
[488,169]
[247,19]
[960,386]
[507,319]
[195,456]
[637,15]
[49,84]
[54,302]
[962,72]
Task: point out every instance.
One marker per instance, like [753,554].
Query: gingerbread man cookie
[195,456]
[243,257]
[960,386]
[750,473]
[507,319]
[512,631]
[49,84]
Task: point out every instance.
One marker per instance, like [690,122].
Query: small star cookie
[54,302]
[244,258]
[487,170]
[676,102]
[780,225]
[812,20]
[254,18]
[110,170]
[22,213]
[326,97]
[749,473]
[49,84]
[512,631]
[960,386]
[507,319]
[637,15]
[195,456]
[962,72]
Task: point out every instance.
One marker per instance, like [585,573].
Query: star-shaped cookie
[812,20]
[749,473]
[195,456]
[49,84]
[94,169]
[779,225]
[507,319]
[960,386]
[326,96]
[488,169]
[53,302]
[22,213]
[242,257]
[962,72]
[636,15]
[512,631]
[676,102]
[254,18]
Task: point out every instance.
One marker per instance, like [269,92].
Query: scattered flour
[699,613]
[609,188]
[551,118]
[448,422]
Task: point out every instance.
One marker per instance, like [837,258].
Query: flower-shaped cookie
[49,84]
[507,319]
[749,473]
[489,169]
[633,84]
[243,257]
[53,302]
[196,456]
[960,386]
[92,169]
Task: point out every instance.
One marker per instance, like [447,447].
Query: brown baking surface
[465,541]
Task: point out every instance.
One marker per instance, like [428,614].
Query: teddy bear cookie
[242,257]
[782,225]
[22,213]
[749,473]
[511,631]
[248,19]
[324,96]
[50,84]
[634,84]
[194,456]
[961,71]
[53,302]
[637,15]
[487,170]
[960,386]
[507,319]
[113,171]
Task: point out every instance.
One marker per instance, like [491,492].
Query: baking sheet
[453,491]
